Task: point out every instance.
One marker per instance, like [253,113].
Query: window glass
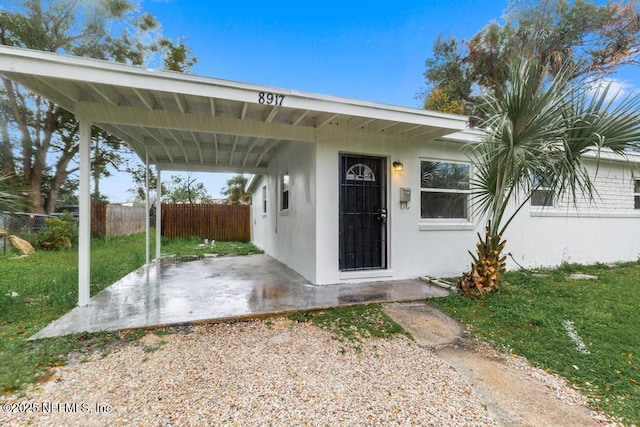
[360,172]
[444,189]
[284,185]
[543,196]
[636,197]
[443,205]
[453,176]
[264,199]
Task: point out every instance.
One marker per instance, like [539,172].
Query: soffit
[192,123]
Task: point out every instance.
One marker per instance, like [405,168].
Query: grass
[41,287]
[353,324]
[195,246]
[529,314]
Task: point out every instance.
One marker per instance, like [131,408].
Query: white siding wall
[288,236]
[604,230]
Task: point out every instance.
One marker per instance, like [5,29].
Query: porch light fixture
[398,166]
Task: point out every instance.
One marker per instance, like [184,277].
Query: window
[542,196]
[284,189]
[444,190]
[264,199]
[636,193]
[360,172]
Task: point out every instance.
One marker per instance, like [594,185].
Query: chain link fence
[24,225]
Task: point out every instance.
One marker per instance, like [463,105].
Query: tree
[595,39]
[439,100]
[33,128]
[539,126]
[235,190]
[185,190]
[139,176]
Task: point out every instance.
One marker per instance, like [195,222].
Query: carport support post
[146,208]
[84,226]
[158,214]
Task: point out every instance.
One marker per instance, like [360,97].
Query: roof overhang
[191,123]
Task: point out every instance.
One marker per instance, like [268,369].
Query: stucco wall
[600,232]
[288,236]
[307,238]
[412,252]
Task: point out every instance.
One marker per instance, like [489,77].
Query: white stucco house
[343,190]
[338,210]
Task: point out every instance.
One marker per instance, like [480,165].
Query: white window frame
[465,223]
[636,193]
[264,200]
[285,191]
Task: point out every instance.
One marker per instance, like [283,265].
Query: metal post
[84,226]
[146,209]
[158,214]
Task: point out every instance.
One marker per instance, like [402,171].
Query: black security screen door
[363,212]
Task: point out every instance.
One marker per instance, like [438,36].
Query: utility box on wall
[405,195]
[405,198]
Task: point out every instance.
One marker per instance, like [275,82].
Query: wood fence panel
[213,222]
[98,219]
[125,220]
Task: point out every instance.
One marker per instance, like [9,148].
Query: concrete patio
[219,289]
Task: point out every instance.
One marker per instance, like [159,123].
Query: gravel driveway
[253,373]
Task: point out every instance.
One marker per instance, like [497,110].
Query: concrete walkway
[512,398]
[219,289]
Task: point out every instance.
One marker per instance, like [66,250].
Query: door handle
[382,216]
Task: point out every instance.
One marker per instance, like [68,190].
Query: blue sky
[372,51]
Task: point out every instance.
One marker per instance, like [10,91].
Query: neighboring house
[343,190]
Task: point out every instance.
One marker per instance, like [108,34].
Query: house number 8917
[270,98]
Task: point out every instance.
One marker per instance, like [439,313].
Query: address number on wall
[270,98]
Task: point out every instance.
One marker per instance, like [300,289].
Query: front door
[363,212]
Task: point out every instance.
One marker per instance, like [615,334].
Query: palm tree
[538,128]
[10,200]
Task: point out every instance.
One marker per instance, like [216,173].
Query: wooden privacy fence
[116,220]
[214,222]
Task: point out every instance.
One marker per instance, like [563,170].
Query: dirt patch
[514,393]
[429,326]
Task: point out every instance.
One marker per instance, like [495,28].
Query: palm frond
[540,127]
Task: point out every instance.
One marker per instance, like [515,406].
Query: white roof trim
[170,114]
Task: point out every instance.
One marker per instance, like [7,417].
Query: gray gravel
[254,373]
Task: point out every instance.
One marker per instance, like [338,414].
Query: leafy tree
[178,56]
[33,128]
[439,100]
[235,190]
[449,73]
[539,126]
[138,174]
[185,190]
[595,39]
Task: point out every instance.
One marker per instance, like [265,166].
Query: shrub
[60,233]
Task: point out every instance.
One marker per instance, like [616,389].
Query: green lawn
[41,287]
[530,316]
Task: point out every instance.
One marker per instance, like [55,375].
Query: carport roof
[191,123]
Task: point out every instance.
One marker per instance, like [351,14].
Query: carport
[181,122]
[219,289]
